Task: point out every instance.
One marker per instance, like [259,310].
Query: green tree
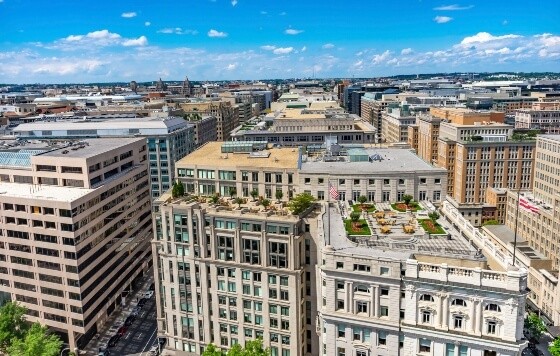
[355,216]
[36,342]
[554,348]
[239,201]
[265,203]
[279,195]
[535,325]
[407,198]
[362,200]
[177,190]
[12,324]
[252,348]
[491,222]
[254,194]
[232,191]
[215,198]
[433,216]
[300,203]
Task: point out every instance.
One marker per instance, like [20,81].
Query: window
[459,302]
[225,248]
[384,291]
[427,298]
[493,307]
[361,307]
[341,330]
[361,353]
[359,288]
[381,337]
[340,351]
[425,345]
[361,268]
[491,328]
[384,311]
[339,304]
[278,254]
[271,279]
[339,265]
[361,334]
[341,181]
[426,317]
[251,251]
[384,271]
[458,322]
[339,285]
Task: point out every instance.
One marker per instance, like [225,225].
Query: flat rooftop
[102,124]
[42,192]
[90,148]
[335,235]
[392,160]
[211,155]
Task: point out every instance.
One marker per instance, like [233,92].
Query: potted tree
[254,194]
[362,200]
[279,195]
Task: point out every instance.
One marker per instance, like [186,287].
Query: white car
[154,350]
[149,294]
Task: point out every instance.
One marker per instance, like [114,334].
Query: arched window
[361,288]
[493,307]
[459,302]
[427,298]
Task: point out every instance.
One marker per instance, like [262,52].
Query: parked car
[142,301]
[149,294]
[103,352]
[152,286]
[154,350]
[122,330]
[129,320]
[135,311]
[113,341]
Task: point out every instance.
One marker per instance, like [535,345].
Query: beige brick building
[75,230]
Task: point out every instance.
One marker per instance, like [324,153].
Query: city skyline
[238,39]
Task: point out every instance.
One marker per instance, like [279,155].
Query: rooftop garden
[431,226]
[361,206]
[357,227]
[406,204]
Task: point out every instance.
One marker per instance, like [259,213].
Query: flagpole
[329,210]
[515,232]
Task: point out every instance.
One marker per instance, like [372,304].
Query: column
[472,314]
[445,312]
[439,319]
[479,319]
[373,309]
[376,301]
[349,302]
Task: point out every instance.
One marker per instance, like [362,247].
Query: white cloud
[292,31]
[380,58]
[231,66]
[140,41]
[233,2]
[407,51]
[442,19]
[283,50]
[264,13]
[505,22]
[283,13]
[128,15]
[215,33]
[454,7]
[328,46]
[483,37]
[178,31]
[268,47]
[303,49]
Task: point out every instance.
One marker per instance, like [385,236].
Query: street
[141,335]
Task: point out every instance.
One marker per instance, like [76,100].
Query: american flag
[333,192]
[525,204]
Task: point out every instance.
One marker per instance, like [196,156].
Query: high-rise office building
[75,230]
[169,139]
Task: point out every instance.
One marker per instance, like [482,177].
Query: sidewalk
[117,318]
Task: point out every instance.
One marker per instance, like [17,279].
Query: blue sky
[63,41]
